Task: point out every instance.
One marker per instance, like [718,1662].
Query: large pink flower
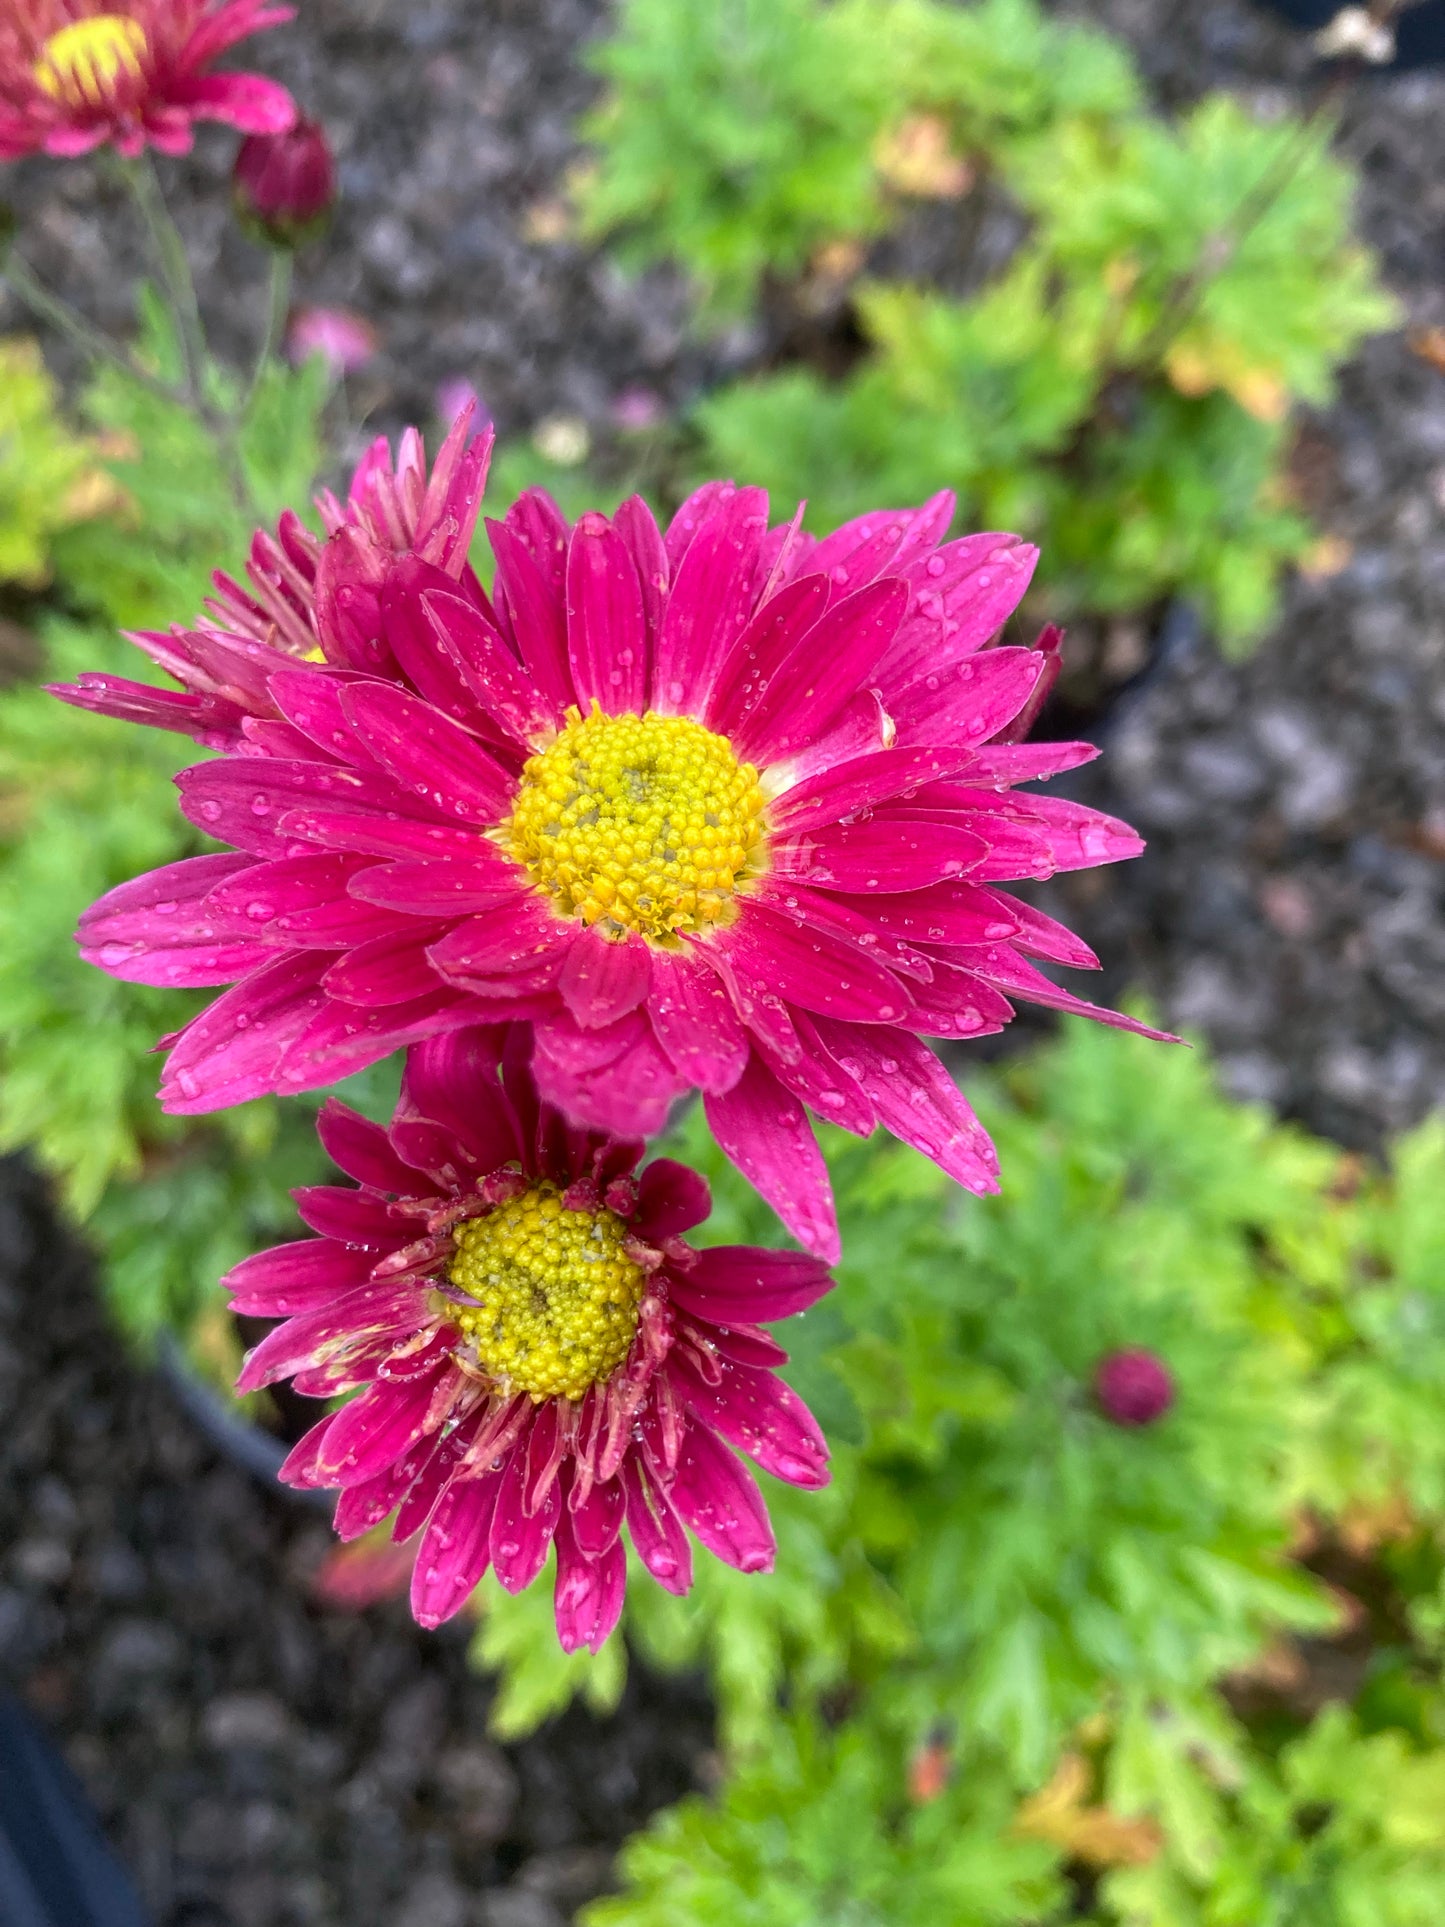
[76,74]
[724,808]
[538,1354]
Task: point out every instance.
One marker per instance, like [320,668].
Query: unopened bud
[1133,1387]
[284,185]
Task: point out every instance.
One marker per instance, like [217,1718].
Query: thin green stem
[277,309]
[96,346]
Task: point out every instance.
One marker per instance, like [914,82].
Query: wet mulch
[261,1762]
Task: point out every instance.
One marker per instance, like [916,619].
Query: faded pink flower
[78,74]
[344,341]
[725,808]
[537,1354]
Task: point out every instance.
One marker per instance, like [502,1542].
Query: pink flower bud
[345,341]
[284,185]
[1133,1387]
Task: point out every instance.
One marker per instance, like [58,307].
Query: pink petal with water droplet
[671,1199]
[587,1600]
[521,1540]
[296,1277]
[607,643]
[732,1284]
[364,1152]
[694,1021]
[454,1551]
[657,1533]
[916,1099]
[764,1130]
[601,980]
[719,1499]
[714,585]
[760,1415]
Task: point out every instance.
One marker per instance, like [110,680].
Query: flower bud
[284,185]
[1133,1387]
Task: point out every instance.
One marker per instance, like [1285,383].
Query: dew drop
[211,810]
[936,565]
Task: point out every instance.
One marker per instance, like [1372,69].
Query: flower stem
[50,308]
[278,307]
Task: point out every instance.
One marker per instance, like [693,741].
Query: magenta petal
[958,1004]
[748,668]
[1005,763]
[970,701]
[671,1199]
[388,1310]
[823,671]
[945,913]
[343,923]
[310,699]
[1077,837]
[854,923]
[615,1079]
[766,1133]
[500,942]
[378,1426]
[589,1592]
[812,966]
[1011,974]
[233,1050]
[596,1521]
[379,833]
[602,981]
[606,620]
[295,1277]
[363,1151]
[1041,936]
[242,799]
[261,892]
[343,1038]
[298,1468]
[893,850]
[428,754]
[532,602]
[163,929]
[719,1499]
[350,1216]
[449,887]
[487,667]
[762,1416]
[453,1081]
[744,1284]
[698,507]
[387,970]
[638,528]
[962,596]
[247,101]
[454,1551]
[713,587]
[521,1540]
[817,1077]
[917,1100]
[694,1021]
[657,1532]
[208,720]
[835,795]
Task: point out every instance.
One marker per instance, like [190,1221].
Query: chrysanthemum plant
[713,808]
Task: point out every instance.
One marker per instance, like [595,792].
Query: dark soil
[258,1761]
[255,1756]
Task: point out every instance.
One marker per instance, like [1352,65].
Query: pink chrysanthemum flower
[723,808]
[76,74]
[539,1357]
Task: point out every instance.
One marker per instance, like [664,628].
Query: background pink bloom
[76,74]
[344,341]
[490,1470]
[418,843]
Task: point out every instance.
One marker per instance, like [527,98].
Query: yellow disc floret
[645,823]
[556,1294]
[80,63]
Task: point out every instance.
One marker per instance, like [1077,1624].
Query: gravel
[259,1761]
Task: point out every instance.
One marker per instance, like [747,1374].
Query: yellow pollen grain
[646,823]
[556,1295]
[81,61]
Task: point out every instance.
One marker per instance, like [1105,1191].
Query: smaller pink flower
[81,74]
[284,185]
[538,1357]
[344,340]
[1133,1387]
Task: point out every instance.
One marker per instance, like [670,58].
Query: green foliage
[48,475]
[1119,390]
[1345,1830]
[820,1829]
[87,803]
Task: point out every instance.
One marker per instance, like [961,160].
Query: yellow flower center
[645,823]
[80,62]
[556,1294]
